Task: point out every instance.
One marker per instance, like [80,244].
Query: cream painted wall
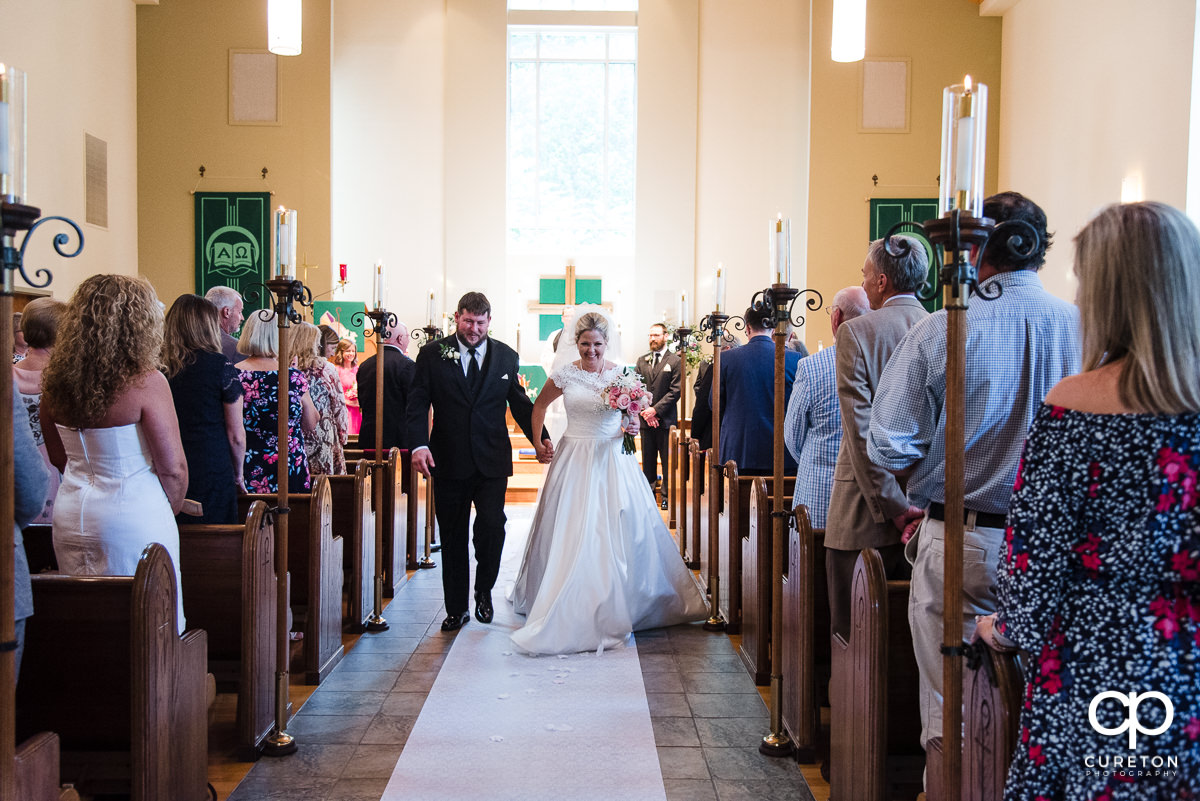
[1091,94]
[753,142]
[945,39]
[183,89]
[474,168]
[387,160]
[94,90]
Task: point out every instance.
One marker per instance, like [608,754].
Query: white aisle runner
[499,725]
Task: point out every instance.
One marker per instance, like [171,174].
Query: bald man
[398,372]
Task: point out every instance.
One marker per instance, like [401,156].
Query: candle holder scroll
[778,301]
[382,323]
[285,293]
[955,234]
[715,328]
[425,334]
[14,217]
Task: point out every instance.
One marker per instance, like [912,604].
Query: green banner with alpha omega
[233,244]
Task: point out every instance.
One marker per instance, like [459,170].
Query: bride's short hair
[591,322]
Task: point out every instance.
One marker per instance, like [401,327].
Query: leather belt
[937,511]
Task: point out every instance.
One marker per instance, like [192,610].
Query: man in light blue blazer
[748,399]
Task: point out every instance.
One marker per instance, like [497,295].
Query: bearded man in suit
[660,371]
[470,380]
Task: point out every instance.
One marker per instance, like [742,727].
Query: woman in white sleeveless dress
[110,426]
[599,563]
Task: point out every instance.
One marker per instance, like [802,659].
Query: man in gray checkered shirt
[1018,347]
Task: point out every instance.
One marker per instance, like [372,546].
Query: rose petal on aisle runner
[498,724]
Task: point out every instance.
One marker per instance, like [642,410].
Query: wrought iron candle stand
[681,338]
[715,324]
[778,301]
[955,233]
[429,333]
[14,217]
[286,292]
[382,322]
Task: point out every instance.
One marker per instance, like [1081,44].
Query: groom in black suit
[469,379]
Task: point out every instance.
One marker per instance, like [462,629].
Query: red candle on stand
[341,272]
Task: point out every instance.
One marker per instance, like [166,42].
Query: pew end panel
[131,715]
[730,546]
[36,770]
[230,590]
[756,584]
[696,507]
[323,647]
[671,476]
[875,718]
[354,522]
[805,648]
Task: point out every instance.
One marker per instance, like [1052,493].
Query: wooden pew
[106,669]
[36,770]
[420,512]
[315,566]
[399,535]
[354,522]
[671,470]
[875,720]
[39,548]
[992,697]
[695,507]
[229,590]
[805,647]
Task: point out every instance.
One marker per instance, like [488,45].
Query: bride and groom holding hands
[599,562]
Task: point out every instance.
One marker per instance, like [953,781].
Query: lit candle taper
[285,242]
[12,133]
[379,283]
[781,250]
[683,310]
[432,322]
[719,301]
[964,129]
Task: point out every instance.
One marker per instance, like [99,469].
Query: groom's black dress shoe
[456,621]
[483,607]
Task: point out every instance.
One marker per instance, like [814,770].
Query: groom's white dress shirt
[464,355]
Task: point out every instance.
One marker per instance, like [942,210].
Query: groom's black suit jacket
[469,433]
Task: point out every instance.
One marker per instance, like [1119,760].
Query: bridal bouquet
[628,395]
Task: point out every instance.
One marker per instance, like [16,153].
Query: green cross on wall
[555,294]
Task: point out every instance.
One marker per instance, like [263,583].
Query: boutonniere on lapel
[450,354]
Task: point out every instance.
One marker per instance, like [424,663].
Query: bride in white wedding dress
[599,562]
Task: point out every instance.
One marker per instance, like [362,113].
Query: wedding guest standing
[110,426]
[398,372]
[345,359]
[325,445]
[259,374]
[39,325]
[208,402]
[660,372]
[229,310]
[1100,578]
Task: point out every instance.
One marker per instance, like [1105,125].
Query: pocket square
[504,377]
[666,368]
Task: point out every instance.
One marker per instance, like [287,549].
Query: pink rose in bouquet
[628,395]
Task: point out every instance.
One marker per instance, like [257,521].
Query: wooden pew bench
[399,518]
[315,567]
[229,590]
[107,670]
[805,648]
[757,573]
[695,508]
[875,731]
[354,521]
[992,697]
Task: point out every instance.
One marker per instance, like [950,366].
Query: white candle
[683,310]
[5,96]
[965,141]
[285,241]
[719,301]
[431,311]
[378,284]
[782,268]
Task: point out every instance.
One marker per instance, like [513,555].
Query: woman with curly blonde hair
[110,426]
[325,445]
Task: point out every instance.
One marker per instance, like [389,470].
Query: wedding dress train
[599,562]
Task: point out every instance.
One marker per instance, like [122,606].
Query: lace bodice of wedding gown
[587,415]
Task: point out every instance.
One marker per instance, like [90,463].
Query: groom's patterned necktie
[472,370]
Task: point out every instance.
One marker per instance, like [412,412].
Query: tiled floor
[708,716]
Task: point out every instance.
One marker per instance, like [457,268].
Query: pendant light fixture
[849,30]
[283,27]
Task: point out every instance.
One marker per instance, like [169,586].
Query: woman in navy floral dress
[259,375]
[1101,585]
